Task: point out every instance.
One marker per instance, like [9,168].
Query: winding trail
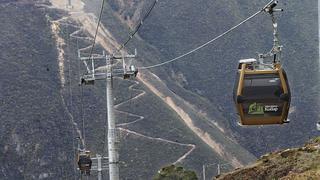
[139,118]
[192,146]
[87,23]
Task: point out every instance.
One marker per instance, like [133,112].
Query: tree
[173,172]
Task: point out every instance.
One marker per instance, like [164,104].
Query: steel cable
[208,42]
[131,35]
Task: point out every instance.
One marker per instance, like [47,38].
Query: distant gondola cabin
[84,162]
[261,94]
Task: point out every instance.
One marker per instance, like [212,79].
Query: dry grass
[296,163]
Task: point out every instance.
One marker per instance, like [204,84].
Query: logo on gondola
[271,108]
[256,108]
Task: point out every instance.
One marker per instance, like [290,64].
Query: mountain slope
[36,138]
[149,128]
[41,102]
[153,83]
[205,78]
[295,163]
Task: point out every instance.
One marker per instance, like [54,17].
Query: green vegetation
[173,172]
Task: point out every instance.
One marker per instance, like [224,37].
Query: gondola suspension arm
[275,52]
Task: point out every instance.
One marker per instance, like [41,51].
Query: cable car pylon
[107,72]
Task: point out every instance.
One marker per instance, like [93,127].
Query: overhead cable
[97,28]
[131,35]
[207,43]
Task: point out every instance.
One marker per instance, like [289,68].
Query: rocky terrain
[295,163]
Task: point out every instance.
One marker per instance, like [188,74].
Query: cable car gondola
[129,70]
[261,93]
[87,79]
[84,162]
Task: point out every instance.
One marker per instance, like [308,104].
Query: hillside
[190,116]
[205,78]
[295,163]
[150,129]
[179,114]
[290,164]
[36,134]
